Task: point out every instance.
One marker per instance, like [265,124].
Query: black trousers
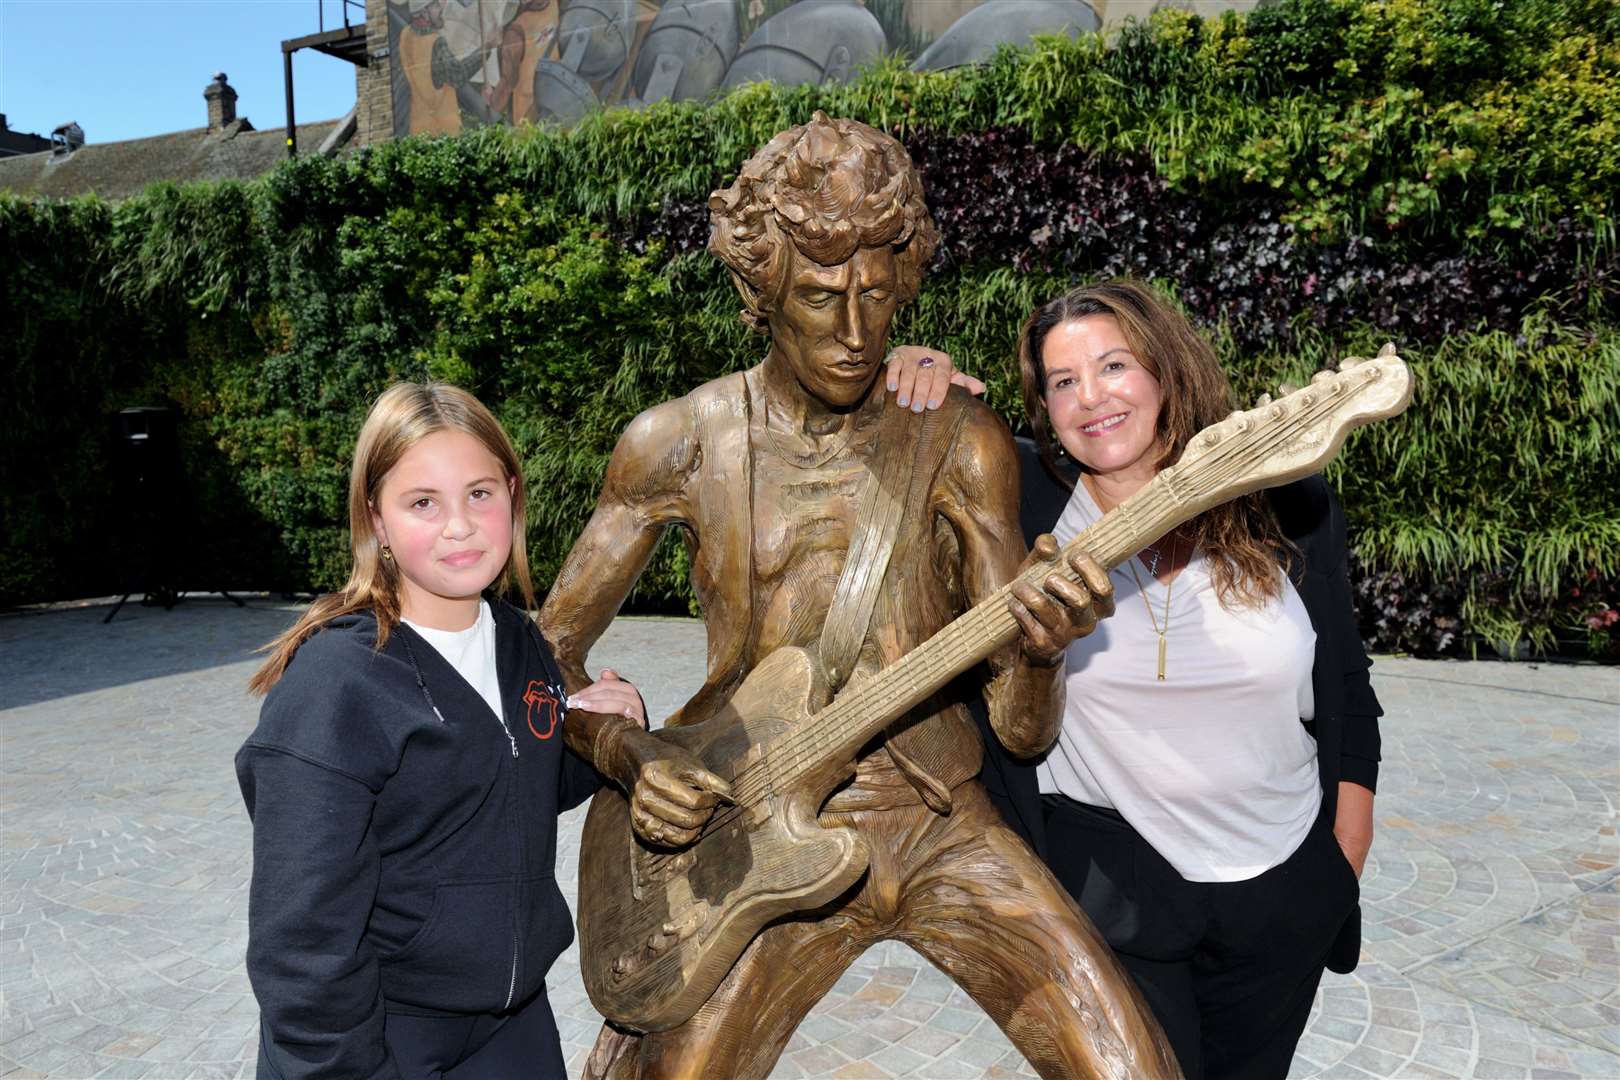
[1230,969]
[493,1046]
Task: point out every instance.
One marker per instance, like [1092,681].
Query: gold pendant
[1161,658]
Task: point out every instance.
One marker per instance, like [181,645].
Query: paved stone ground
[1492,896]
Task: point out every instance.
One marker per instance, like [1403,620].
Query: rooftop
[117,170]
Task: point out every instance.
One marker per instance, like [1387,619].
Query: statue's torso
[803,520]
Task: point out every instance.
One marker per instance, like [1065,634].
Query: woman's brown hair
[402,416]
[1241,538]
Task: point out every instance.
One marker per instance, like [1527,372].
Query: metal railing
[343,7]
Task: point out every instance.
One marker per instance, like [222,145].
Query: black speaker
[146,448]
[144,461]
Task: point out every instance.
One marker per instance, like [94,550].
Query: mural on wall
[462,63]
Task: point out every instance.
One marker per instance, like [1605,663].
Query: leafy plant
[1308,182]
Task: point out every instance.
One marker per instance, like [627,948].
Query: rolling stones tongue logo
[544,709]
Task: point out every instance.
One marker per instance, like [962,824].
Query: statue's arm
[978,494]
[642,493]
[671,794]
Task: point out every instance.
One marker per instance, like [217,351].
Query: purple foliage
[682,224]
[1101,215]
[1398,613]
[1001,199]
[1422,615]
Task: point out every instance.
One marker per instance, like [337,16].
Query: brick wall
[373,85]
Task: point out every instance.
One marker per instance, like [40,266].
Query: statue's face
[832,323]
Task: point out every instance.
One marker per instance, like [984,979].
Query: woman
[1220,731]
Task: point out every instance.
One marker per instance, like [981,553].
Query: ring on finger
[927,361]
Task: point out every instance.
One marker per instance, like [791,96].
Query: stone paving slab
[1492,897]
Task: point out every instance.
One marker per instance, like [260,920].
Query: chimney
[66,138]
[221,100]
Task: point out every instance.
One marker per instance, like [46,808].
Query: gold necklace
[1157,629]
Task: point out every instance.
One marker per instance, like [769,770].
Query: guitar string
[959,640]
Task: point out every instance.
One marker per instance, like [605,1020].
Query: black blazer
[1347,711]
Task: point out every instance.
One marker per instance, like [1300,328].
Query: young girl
[406,774]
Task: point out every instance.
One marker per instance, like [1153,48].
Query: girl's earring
[387,553]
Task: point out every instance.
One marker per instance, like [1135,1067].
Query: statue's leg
[740,1031]
[613,1056]
[980,905]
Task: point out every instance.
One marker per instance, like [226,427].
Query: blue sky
[128,68]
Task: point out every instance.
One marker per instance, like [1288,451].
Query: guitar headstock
[1297,434]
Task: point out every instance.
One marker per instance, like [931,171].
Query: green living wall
[1309,182]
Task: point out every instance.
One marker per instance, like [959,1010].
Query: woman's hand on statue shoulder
[919,377]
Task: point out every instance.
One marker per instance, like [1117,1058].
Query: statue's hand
[919,377]
[1063,610]
[671,793]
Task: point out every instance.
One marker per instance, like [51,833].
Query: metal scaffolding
[347,42]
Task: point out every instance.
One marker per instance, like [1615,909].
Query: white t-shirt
[471,652]
[1211,766]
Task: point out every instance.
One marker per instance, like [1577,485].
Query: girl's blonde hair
[1241,538]
[404,415]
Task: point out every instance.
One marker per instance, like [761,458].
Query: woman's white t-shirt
[1211,766]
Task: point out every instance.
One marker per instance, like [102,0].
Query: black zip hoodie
[403,845]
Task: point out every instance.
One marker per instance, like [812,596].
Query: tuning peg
[1321,376]
[1350,362]
[1287,388]
[1262,400]
[1388,349]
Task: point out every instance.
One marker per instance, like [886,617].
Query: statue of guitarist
[817,516]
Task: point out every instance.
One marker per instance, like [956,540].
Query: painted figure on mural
[527,40]
[463,63]
[517,34]
[460,63]
[433,105]
[770,475]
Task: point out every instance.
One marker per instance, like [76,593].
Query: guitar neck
[1271,444]
[865,709]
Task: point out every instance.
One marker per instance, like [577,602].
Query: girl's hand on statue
[919,377]
[671,793]
[611,696]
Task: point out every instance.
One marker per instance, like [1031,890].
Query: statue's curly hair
[831,187]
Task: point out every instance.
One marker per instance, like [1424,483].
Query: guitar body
[660,928]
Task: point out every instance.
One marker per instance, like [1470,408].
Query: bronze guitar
[663,927]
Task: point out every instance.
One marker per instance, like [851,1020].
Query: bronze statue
[831,535]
